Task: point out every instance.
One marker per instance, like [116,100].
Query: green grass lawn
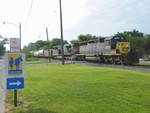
[74,88]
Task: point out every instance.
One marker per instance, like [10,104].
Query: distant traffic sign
[15,83]
[14,44]
[15,64]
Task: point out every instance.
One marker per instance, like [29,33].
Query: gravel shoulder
[126,67]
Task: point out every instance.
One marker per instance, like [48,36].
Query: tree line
[40,44]
[3,41]
[139,42]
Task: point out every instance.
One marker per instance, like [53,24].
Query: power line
[29,12]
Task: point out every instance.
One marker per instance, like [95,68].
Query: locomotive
[112,49]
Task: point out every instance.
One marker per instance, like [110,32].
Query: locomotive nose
[123,47]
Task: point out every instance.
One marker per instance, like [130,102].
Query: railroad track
[126,67]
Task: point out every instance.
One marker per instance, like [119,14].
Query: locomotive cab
[115,49]
[116,45]
[115,40]
[119,45]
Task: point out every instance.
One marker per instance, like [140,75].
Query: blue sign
[15,83]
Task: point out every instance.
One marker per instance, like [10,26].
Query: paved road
[2,87]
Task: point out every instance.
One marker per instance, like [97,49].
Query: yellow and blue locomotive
[112,49]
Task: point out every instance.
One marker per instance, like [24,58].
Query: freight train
[112,49]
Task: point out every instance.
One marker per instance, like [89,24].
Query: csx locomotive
[112,49]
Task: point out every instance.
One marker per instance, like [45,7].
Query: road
[2,87]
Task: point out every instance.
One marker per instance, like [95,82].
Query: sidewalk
[2,87]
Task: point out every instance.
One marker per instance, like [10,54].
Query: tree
[57,41]
[136,33]
[147,35]
[31,46]
[96,37]
[74,41]
[136,39]
[39,44]
[3,41]
[137,44]
[85,37]
[129,34]
[147,46]
[25,49]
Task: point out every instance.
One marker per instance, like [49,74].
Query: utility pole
[48,44]
[20,35]
[61,29]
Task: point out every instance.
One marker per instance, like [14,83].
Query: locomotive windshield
[114,41]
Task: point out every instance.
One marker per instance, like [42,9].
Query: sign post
[15,71]
[14,42]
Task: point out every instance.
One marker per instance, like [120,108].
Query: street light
[19,26]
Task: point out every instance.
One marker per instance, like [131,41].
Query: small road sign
[14,44]
[15,83]
[15,64]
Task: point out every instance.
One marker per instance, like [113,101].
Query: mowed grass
[74,88]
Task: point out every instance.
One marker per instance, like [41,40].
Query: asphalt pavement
[2,87]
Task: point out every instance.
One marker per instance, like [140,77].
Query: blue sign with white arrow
[15,83]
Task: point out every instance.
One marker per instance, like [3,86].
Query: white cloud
[111,16]
[98,17]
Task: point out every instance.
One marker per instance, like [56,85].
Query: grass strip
[75,88]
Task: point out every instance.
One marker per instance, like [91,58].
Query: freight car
[112,49]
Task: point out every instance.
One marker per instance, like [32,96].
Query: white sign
[15,45]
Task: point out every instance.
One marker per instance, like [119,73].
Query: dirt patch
[8,107]
[9,104]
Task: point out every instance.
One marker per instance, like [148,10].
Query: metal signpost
[15,71]
[15,43]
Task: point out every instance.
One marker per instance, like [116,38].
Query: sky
[95,17]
